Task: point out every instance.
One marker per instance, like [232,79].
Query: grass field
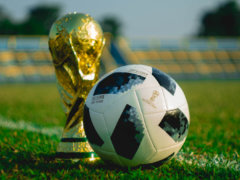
[32,110]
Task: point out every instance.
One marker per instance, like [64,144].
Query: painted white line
[183,157]
[209,161]
[28,126]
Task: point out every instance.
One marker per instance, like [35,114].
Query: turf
[212,143]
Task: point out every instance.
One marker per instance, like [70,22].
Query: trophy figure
[75,42]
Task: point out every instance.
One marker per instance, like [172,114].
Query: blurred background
[190,40]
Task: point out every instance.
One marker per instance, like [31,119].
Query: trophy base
[85,155]
[74,145]
[75,148]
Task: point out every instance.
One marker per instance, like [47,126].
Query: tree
[112,25]
[38,22]
[6,24]
[223,21]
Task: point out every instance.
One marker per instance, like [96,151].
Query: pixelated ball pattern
[118,83]
[175,123]
[164,80]
[128,133]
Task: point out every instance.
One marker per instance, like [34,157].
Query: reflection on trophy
[76,42]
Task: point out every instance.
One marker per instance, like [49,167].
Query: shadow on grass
[47,162]
[37,163]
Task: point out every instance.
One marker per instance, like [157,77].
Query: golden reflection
[75,42]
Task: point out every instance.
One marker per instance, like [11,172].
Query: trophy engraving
[76,42]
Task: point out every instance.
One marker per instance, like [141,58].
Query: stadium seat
[203,69]
[229,68]
[189,68]
[45,70]
[48,56]
[174,69]
[235,56]
[215,68]
[141,55]
[39,56]
[166,55]
[162,67]
[12,71]
[7,57]
[208,56]
[222,56]
[132,57]
[23,57]
[153,55]
[180,56]
[195,56]
[29,70]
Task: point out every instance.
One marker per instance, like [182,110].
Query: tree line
[40,19]
[224,20]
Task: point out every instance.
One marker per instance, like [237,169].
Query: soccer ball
[136,115]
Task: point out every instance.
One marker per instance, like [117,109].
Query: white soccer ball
[136,115]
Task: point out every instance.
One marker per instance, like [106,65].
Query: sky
[139,18]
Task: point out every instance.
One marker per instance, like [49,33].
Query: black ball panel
[118,82]
[164,80]
[175,124]
[90,131]
[128,133]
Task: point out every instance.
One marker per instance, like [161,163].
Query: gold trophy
[76,42]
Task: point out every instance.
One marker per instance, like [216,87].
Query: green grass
[214,130]
[38,103]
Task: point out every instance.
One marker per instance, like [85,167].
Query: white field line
[184,157]
[27,126]
[218,161]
